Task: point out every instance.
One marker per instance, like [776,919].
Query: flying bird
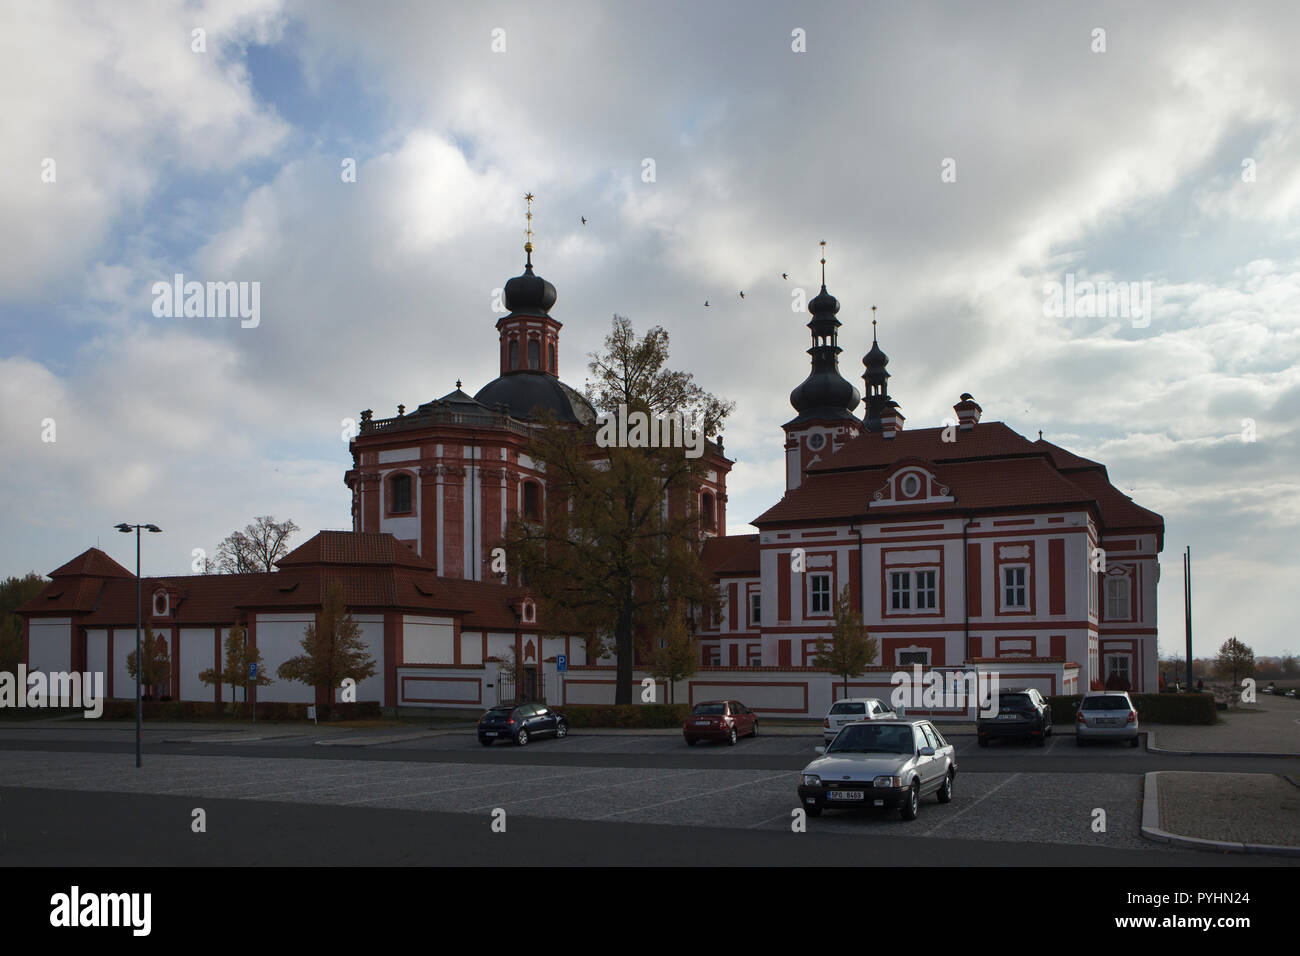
[742,293]
[584,219]
[785,275]
[706,303]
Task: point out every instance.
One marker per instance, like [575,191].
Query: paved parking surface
[1037,807]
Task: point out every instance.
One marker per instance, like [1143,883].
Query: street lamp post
[139,660]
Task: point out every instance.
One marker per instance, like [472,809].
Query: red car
[720,720]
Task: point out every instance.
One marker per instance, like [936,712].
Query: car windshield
[1105,703]
[873,739]
[710,709]
[496,713]
[849,707]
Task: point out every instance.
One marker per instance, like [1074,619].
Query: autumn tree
[157,669]
[240,656]
[256,548]
[618,538]
[333,649]
[14,593]
[1235,660]
[851,650]
[677,655]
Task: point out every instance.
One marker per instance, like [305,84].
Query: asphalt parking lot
[1042,807]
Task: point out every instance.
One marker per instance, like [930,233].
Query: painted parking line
[568,793]
[971,806]
[663,803]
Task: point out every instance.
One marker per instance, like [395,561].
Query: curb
[1151,748]
[219,738]
[1151,829]
[391,739]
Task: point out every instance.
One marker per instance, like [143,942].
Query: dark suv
[520,723]
[1021,713]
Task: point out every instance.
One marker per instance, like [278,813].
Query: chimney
[968,412]
[891,420]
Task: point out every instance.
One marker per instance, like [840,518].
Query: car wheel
[521,738]
[691,741]
[1134,741]
[561,729]
[485,741]
[984,741]
[731,738]
[813,811]
[913,803]
[945,792]
[754,732]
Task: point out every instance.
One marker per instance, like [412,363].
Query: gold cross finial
[823,245]
[528,229]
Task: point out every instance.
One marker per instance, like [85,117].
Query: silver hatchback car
[1106,715]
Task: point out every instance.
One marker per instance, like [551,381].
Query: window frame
[390,494]
[814,593]
[1005,589]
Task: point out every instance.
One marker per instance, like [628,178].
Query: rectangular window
[900,593]
[821,593]
[908,658]
[1014,592]
[1117,666]
[1117,599]
[926,589]
[755,608]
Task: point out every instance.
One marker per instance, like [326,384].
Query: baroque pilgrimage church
[966,546]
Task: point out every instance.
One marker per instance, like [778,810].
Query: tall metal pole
[139,661]
[1187,610]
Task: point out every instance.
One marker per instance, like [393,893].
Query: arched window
[708,516]
[534,354]
[514,353]
[554,368]
[399,494]
[532,500]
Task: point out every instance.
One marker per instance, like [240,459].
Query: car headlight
[811,780]
[887,783]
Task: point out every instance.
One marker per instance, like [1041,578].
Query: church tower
[825,400]
[882,413]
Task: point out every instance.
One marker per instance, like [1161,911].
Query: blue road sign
[252,670]
[561,662]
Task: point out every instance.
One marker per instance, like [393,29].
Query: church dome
[529,394]
[529,294]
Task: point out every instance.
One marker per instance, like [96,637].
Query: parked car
[520,723]
[1106,715]
[880,763]
[852,709]
[1022,713]
[720,720]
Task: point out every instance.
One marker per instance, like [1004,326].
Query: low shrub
[1155,708]
[643,716]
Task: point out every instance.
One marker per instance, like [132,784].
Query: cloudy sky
[957,159]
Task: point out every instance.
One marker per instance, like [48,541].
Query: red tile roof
[871,449]
[354,547]
[735,554]
[92,563]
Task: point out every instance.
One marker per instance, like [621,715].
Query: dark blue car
[520,723]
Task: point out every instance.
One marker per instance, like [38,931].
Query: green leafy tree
[606,557]
[677,655]
[1235,660]
[239,657]
[14,593]
[333,649]
[851,649]
[156,671]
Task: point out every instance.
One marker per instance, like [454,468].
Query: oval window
[816,440]
[911,486]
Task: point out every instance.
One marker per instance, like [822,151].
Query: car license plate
[489,733]
[1105,720]
[701,723]
[846,795]
[1008,716]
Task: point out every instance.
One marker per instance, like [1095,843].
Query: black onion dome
[529,394]
[875,359]
[824,303]
[529,294]
[825,395]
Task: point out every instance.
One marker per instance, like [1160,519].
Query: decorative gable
[912,482]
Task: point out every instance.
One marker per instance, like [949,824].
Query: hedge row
[625,715]
[209,710]
[1155,708]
